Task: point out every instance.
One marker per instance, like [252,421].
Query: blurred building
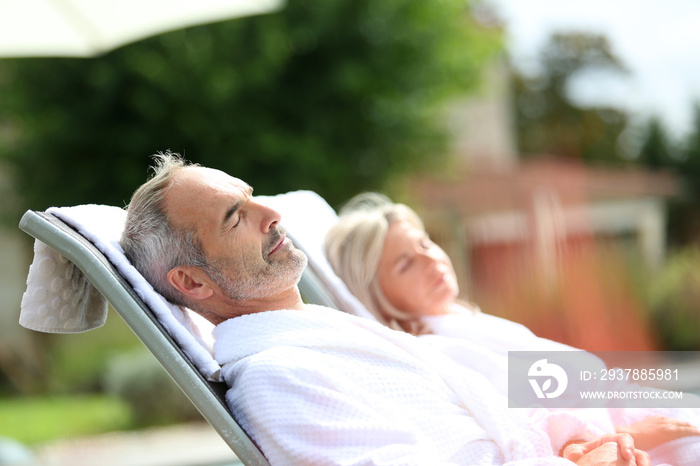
[545,242]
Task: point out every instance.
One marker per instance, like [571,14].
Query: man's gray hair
[152,244]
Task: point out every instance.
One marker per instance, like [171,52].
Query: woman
[383,254]
[381,251]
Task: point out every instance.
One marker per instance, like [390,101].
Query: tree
[689,167]
[655,152]
[331,96]
[684,215]
[549,122]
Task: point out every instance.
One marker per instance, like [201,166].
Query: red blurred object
[546,244]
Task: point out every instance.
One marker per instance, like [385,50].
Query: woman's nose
[429,257]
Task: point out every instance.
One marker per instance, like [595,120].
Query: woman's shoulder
[467,320]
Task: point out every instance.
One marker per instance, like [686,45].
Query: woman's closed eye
[405,264]
[425,243]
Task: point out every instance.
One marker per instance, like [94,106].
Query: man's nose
[269,218]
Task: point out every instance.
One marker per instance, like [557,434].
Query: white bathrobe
[495,333]
[322,387]
[464,334]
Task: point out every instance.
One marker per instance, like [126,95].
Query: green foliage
[548,121]
[62,364]
[77,363]
[330,96]
[684,212]
[655,152]
[36,420]
[675,301]
[689,165]
[154,399]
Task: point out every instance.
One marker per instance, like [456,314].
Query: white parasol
[85,28]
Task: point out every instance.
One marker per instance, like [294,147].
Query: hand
[610,449]
[608,454]
[655,430]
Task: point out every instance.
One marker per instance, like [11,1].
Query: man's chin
[298,256]
[294,264]
[302,263]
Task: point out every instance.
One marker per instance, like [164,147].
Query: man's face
[249,255]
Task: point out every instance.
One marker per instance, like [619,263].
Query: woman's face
[414,273]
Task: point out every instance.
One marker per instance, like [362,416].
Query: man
[311,385]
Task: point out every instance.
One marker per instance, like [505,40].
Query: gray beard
[262,283]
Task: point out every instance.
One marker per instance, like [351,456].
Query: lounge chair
[75,234]
[88,236]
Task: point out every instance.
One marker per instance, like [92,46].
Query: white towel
[59,299]
[103,225]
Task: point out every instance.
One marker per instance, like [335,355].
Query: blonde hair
[354,247]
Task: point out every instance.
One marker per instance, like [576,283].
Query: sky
[658,41]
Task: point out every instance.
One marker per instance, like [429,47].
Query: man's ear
[191,281]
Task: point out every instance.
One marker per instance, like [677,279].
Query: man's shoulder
[275,333]
[287,356]
[288,320]
[286,367]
